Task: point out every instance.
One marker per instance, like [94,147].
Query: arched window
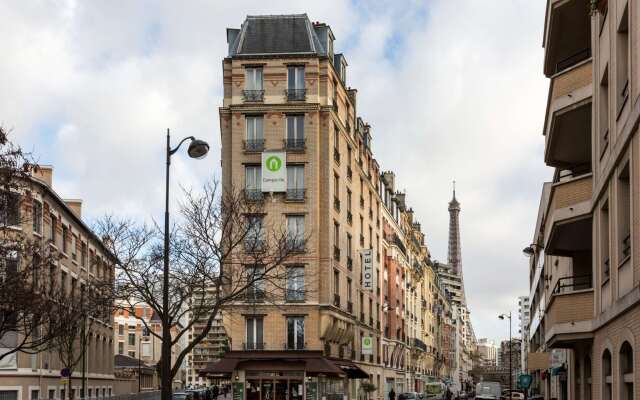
[607,379]
[626,372]
[587,378]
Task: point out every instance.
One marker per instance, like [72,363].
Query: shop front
[279,375]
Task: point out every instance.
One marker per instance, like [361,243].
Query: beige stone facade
[33,376]
[584,269]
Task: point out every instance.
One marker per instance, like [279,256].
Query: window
[336,139]
[74,247]
[295,283]
[349,200]
[253,78]
[83,254]
[36,214]
[626,371]
[604,240]
[624,214]
[52,394]
[9,209]
[65,232]
[255,132]
[9,266]
[121,329]
[132,353]
[295,77]
[132,339]
[253,182]
[120,347]
[607,377]
[255,279]
[295,131]
[295,333]
[349,284]
[295,182]
[603,106]
[622,60]
[52,233]
[295,232]
[336,281]
[254,334]
[349,246]
[254,239]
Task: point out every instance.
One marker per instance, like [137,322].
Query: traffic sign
[65,372]
[524,381]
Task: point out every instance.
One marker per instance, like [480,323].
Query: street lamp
[198,149]
[502,317]
[530,250]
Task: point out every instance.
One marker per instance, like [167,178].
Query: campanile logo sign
[274,171]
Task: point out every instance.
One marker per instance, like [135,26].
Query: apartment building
[364,304]
[584,255]
[524,319]
[488,352]
[44,216]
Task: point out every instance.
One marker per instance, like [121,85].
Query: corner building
[286,90]
[585,266]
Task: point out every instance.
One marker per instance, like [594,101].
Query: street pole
[139,364]
[510,358]
[165,356]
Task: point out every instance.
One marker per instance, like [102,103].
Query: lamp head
[198,149]
[501,316]
[528,251]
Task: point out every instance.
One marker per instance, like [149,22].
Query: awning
[310,361]
[350,369]
[222,367]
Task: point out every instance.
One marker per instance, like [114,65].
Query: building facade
[82,257]
[373,309]
[488,352]
[584,257]
[524,318]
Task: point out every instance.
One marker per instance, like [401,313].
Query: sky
[453,89]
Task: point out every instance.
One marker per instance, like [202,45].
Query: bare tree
[24,258]
[222,250]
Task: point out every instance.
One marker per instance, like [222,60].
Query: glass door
[295,389]
[281,389]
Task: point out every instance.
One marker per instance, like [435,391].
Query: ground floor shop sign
[238,391]
[312,391]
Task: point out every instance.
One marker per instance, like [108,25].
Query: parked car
[488,390]
[435,391]
[408,396]
[182,396]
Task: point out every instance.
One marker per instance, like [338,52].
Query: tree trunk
[165,374]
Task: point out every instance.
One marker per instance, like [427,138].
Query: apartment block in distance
[286,94]
[585,293]
[43,214]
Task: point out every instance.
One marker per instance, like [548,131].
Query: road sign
[65,372]
[524,381]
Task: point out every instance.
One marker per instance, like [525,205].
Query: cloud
[453,90]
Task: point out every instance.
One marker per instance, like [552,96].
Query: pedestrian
[215,392]
[392,395]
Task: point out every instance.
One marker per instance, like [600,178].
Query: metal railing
[253,95]
[254,144]
[295,194]
[295,346]
[254,295]
[253,194]
[294,144]
[293,295]
[572,283]
[572,59]
[296,94]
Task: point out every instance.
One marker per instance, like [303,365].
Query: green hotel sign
[274,171]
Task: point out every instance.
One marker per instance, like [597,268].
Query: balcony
[253,194]
[254,145]
[336,253]
[566,47]
[419,344]
[336,300]
[296,94]
[253,346]
[569,314]
[294,144]
[568,227]
[296,194]
[253,96]
[295,245]
[294,296]
[254,295]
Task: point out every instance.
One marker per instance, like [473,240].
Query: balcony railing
[253,346]
[572,59]
[294,295]
[253,244]
[253,194]
[295,245]
[254,295]
[419,344]
[296,94]
[254,145]
[572,283]
[296,194]
[336,300]
[336,253]
[349,263]
[294,144]
[295,346]
[253,95]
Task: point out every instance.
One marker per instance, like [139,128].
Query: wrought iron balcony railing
[253,194]
[296,194]
[296,94]
[254,295]
[294,295]
[254,145]
[294,144]
[253,95]
[572,283]
[253,244]
[295,346]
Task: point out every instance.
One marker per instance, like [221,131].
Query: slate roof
[275,34]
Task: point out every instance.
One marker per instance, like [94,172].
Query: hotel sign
[274,171]
[367,269]
[367,346]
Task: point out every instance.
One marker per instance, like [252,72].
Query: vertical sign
[274,171]
[312,390]
[367,269]
[238,390]
[367,346]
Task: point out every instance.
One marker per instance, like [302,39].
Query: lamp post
[197,149]
[503,316]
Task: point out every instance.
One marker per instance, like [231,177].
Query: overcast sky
[453,90]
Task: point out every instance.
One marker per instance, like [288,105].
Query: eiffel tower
[454,258]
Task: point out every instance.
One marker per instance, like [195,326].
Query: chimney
[44,173]
[75,205]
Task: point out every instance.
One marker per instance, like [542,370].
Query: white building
[524,318]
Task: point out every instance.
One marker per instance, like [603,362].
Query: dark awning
[222,367]
[351,369]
